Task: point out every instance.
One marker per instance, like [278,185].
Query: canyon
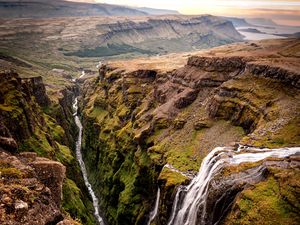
[144,116]
[142,127]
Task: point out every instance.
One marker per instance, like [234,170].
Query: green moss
[6,108]
[73,204]
[134,90]
[10,173]
[38,143]
[172,178]
[64,155]
[123,111]
[56,130]
[264,204]
[98,113]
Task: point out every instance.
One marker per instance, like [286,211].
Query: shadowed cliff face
[30,122]
[137,121]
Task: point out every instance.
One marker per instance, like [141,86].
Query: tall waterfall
[82,165]
[154,212]
[189,207]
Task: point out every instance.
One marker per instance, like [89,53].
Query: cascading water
[154,212]
[189,207]
[82,165]
[82,74]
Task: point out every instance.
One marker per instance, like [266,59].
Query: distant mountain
[237,22]
[248,22]
[153,11]
[60,8]
[261,22]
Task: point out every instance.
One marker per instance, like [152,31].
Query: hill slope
[60,8]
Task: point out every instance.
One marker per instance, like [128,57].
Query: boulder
[201,124]
[179,123]
[52,174]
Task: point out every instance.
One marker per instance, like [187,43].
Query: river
[82,165]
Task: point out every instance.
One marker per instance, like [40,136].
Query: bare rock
[222,64]
[201,124]
[52,174]
[179,124]
[30,156]
[21,208]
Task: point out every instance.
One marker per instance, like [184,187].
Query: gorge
[82,165]
[144,117]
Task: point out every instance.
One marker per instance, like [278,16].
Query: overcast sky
[282,11]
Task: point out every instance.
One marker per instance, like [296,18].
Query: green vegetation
[73,204]
[273,201]
[10,173]
[109,50]
[171,178]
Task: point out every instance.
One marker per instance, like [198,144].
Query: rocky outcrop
[219,64]
[275,73]
[17,105]
[29,192]
[51,174]
[35,87]
[244,194]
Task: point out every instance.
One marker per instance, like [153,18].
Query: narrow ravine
[189,207]
[82,165]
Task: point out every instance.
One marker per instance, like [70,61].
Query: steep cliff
[137,120]
[30,122]
[158,35]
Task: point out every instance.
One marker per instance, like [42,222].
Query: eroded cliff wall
[136,122]
[29,122]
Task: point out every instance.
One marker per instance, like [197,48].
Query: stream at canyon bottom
[82,165]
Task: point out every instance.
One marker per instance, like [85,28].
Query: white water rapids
[189,199]
[82,165]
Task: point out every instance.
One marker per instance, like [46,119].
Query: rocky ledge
[30,189]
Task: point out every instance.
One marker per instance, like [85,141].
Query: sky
[281,11]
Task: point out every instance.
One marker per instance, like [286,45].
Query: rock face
[109,37]
[154,36]
[30,122]
[135,122]
[35,87]
[52,175]
[30,189]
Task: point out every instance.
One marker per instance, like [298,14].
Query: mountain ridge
[61,8]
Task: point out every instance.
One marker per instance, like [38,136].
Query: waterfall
[189,207]
[82,74]
[154,212]
[82,165]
